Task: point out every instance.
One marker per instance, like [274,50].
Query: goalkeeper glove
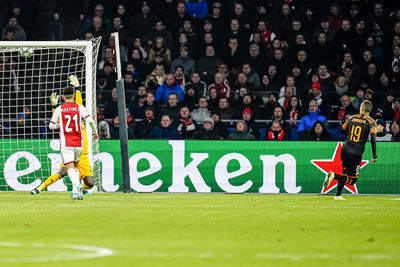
[54,99]
[73,80]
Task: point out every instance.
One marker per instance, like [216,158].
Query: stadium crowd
[236,70]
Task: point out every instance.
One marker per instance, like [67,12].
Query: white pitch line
[81,252]
[397,198]
[288,256]
[338,207]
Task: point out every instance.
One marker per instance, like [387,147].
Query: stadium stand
[254,55]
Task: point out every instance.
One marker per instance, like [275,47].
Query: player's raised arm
[54,100]
[54,122]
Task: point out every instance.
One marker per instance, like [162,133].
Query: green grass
[200,230]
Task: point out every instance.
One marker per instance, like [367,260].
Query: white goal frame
[85,46]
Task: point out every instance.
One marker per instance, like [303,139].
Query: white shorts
[71,154]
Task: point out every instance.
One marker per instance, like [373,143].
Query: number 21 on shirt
[75,121]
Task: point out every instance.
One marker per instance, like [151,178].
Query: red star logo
[335,165]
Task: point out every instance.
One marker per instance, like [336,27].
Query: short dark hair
[69,91]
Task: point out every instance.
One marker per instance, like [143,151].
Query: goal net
[29,151]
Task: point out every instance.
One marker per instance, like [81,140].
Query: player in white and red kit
[67,118]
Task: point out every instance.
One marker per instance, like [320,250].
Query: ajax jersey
[70,117]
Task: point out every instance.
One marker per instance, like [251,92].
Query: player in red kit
[67,118]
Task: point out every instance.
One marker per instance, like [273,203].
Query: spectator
[190,99]
[284,101]
[187,63]
[252,77]
[226,111]
[189,30]
[395,130]
[139,103]
[241,133]
[252,126]
[232,55]
[151,103]
[269,107]
[235,31]
[202,112]
[394,112]
[173,108]
[129,119]
[159,76]
[240,13]
[360,94]
[395,65]
[142,22]
[325,29]
[9,34]
[325,79]
[266,85]
[197,84]
[114,130]
[221,85]
[220,127]
[207,132]
[217,19]
[196,8]
[278,115]
[104,130]
[111,109]
[183,41]
[293,112]
[335,17]
[123,32]
[213,99]
[19,32]
[321,51]
[143,128]
[283,21]
[257,61]
[170,86]
[136,59]
[137,44]
[180,77]
[130,84]
[207,66]
[97,27]
[317,95]
[159,49]
[308,121]
[319,133]
[98,12]
[344,107]
[267,35]
[341,87]
[176,20]
[276,133]
[187,126]
[166,130]
[382,135]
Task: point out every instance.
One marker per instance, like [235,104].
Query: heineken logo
[194,166]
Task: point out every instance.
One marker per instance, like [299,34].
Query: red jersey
[70,115]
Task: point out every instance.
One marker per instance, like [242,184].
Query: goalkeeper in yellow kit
[84,167]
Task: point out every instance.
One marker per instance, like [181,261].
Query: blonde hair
[366,106]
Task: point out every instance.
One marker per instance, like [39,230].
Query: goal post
[29,150]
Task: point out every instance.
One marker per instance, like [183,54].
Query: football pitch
[159,229]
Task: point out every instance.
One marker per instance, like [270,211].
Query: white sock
[74,177]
